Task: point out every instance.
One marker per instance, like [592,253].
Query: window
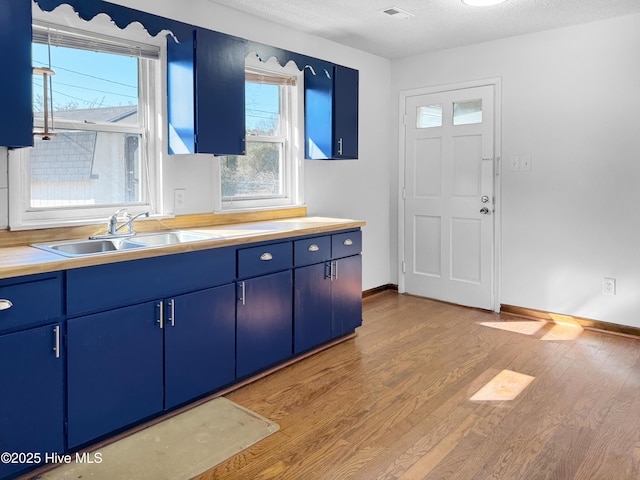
[267,175]
[99,103]
[429,116]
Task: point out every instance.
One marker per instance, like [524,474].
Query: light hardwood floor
[394,402]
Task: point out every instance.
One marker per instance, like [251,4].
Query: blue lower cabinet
[264,322]
[199,343]
[114,370]
[31,403]
[327,301]
[346,296]
[312,307]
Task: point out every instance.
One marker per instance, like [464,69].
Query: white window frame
[23,217]
[292,104]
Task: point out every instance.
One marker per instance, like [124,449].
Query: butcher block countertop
[27,260]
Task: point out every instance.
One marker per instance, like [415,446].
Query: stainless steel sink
[169,238]
[81,248]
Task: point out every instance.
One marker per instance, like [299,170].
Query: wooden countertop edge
[26,260]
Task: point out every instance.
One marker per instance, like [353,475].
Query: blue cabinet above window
[205,81]
[331,114]
[16,119]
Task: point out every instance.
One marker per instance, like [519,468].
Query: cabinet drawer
[30,301]
[113,285]
[311,250]
[346,244]
[265,259]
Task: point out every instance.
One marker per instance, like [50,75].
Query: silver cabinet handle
[313,248]
[348,242]
[265,257]
[333,270]
[242,292]
[340,147]
[161,311]
[56,348]
[5,304]
[172,312]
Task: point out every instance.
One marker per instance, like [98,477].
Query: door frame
[496,83]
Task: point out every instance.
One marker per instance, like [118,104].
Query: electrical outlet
[179,199]
[526,164]
[609,286]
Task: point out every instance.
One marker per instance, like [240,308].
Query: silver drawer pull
[313,248]
[266,257]
[348,242]
[5,304]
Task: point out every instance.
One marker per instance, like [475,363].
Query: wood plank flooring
[394,402]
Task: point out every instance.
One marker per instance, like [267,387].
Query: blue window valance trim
[154,24]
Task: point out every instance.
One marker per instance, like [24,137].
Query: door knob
[484,199]
[484,211]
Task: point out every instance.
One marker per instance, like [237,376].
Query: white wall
[571,100]
[349,189]
[4,189]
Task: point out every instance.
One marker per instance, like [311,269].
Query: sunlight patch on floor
[528,327]
[564,328]
[505,386]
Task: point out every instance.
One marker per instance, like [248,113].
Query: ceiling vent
[397,13]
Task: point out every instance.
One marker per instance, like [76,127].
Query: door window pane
[429,116]
[467,112]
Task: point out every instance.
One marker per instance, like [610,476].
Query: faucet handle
[112,222]
[118,212]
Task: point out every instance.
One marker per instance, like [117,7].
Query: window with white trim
[268,174]
[91,151]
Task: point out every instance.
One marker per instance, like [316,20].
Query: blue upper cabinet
[345,108]
[16,118]
[331,114]
[205,81]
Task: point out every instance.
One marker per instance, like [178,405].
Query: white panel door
[449,196]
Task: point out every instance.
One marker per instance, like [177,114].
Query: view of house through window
[95,157]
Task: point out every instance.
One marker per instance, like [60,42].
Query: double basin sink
[81,248]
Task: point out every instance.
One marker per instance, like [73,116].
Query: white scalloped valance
[154,24]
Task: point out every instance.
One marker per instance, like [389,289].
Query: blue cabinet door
[264,322]
[312,307]
[114,370]
[331,114]
[345,112]
[205,82]
[199,343]
[318,115]
[16,117]
[31,403]
[346,296]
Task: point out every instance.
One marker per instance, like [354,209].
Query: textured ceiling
[437,24]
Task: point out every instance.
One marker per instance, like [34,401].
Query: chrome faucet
[113,230]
